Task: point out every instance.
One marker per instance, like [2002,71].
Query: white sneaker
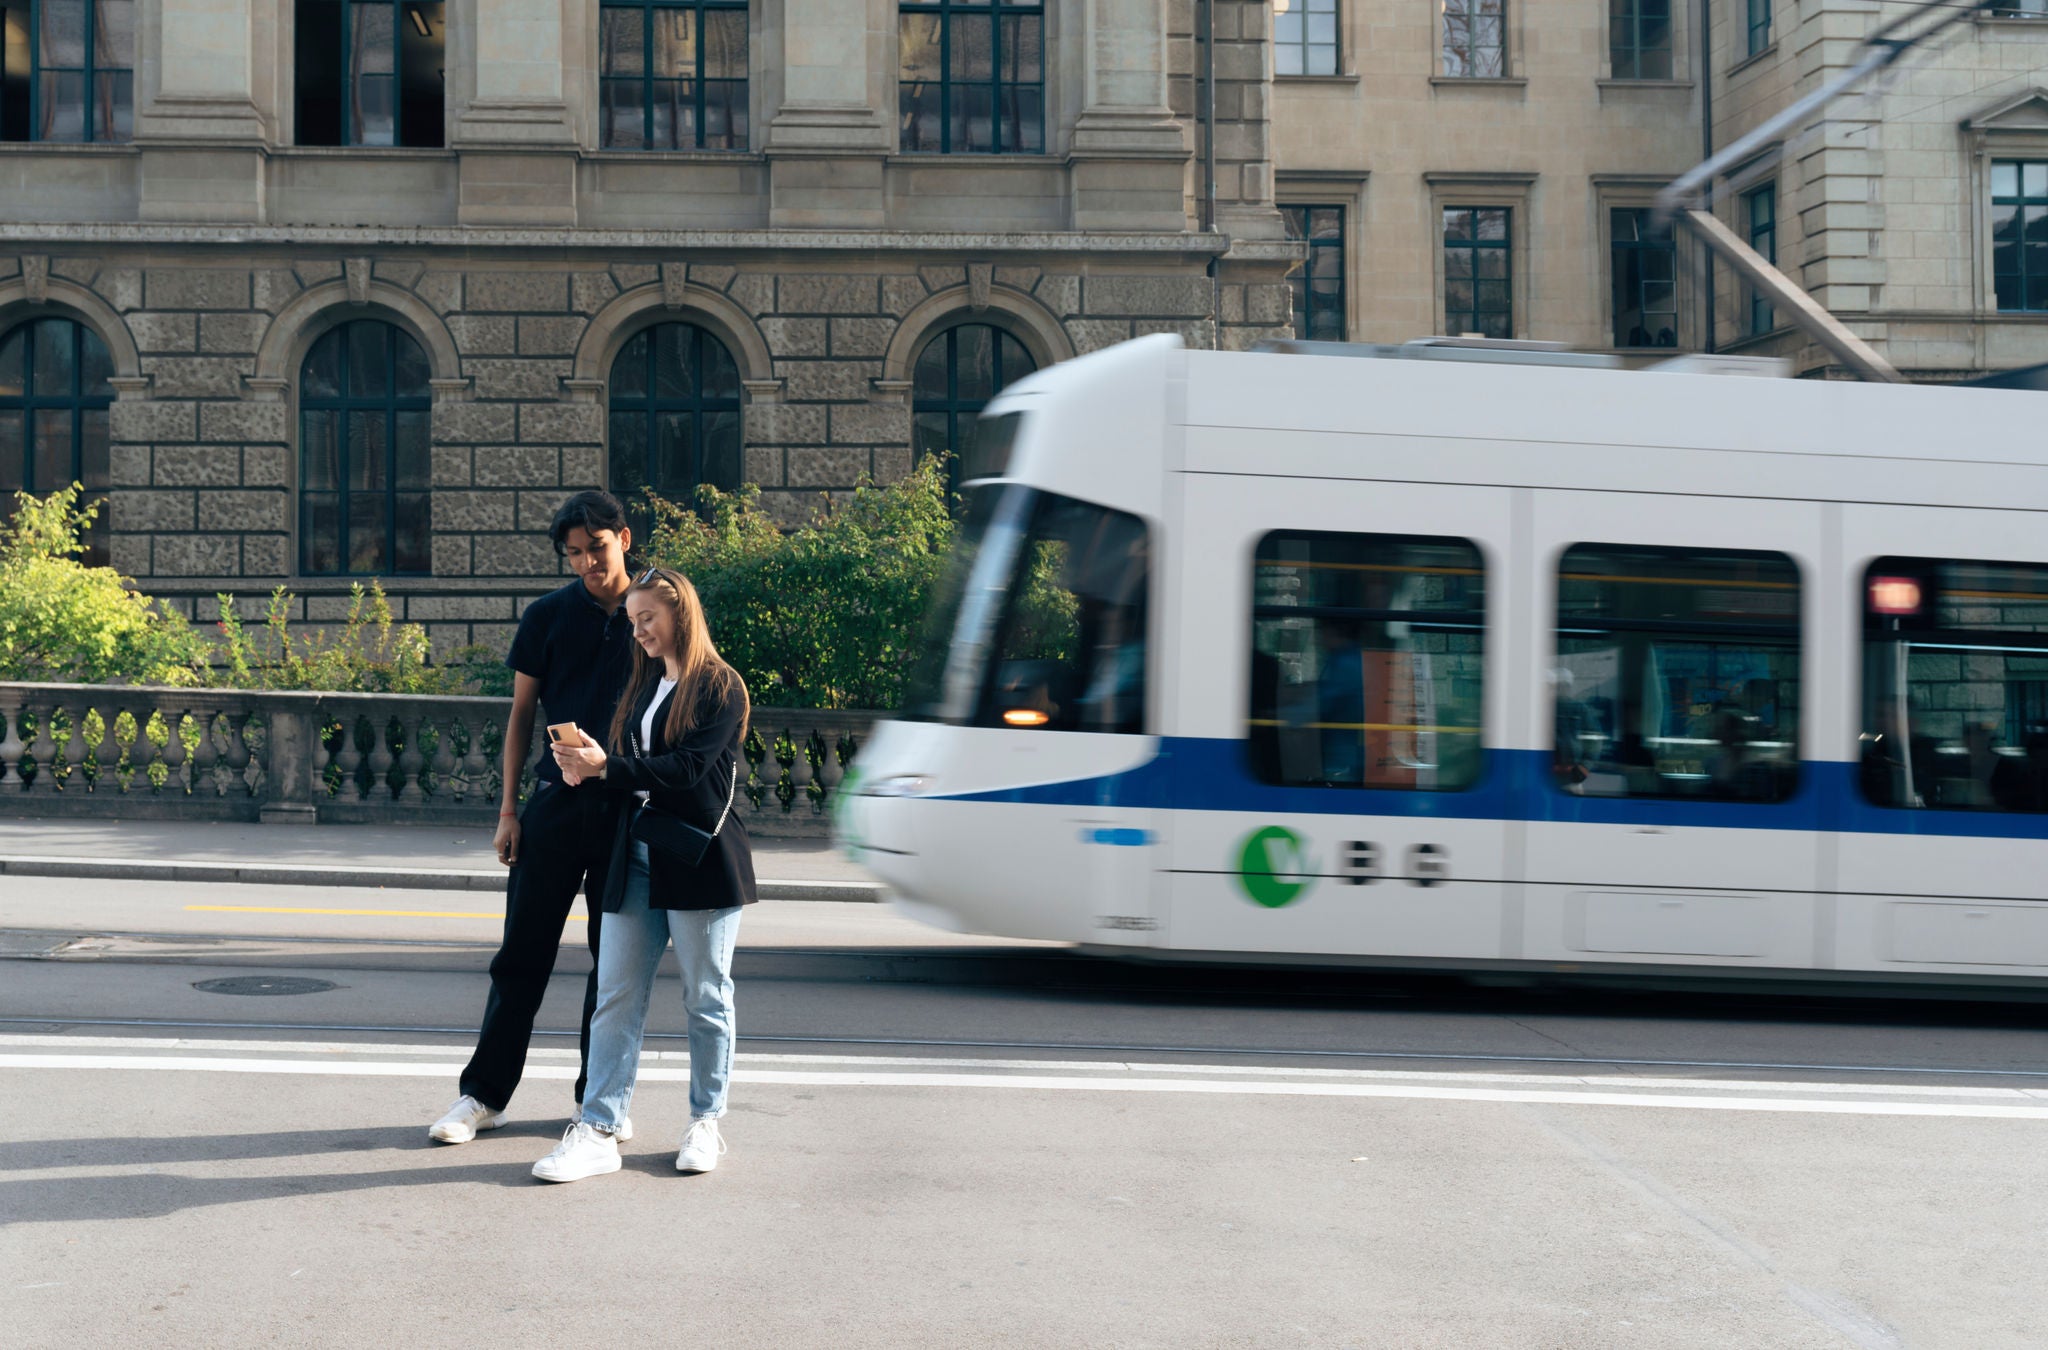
[624,1134]
[585,1151]
[463,1120]
[703,1146]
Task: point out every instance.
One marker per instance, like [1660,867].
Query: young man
[569,658]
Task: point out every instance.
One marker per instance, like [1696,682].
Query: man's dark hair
[590,511]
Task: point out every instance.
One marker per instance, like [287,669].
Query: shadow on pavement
[27,1155]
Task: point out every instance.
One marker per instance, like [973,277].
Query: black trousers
[565,842]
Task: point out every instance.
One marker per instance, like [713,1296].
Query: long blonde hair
[704,674]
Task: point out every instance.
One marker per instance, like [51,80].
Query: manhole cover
[263,984]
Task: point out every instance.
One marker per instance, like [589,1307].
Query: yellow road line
[358,913]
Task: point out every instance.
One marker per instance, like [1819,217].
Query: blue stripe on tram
[1203,774]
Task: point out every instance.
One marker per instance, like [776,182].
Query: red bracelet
[508,813]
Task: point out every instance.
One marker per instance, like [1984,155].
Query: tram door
[1336,674]
[1686,695]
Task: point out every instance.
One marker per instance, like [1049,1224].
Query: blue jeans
[633,941]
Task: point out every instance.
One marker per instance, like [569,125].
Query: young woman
[674,747]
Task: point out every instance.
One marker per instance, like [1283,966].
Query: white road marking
[1043,1082]
[1535,1080]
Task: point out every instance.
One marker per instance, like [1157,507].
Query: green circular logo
[1273,867]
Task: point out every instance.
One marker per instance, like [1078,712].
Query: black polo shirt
[580,655]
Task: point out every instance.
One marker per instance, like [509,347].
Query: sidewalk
[412,857]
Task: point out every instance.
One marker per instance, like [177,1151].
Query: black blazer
[689,780]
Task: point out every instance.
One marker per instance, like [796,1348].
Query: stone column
[829,131]
[1129,153]
[196,87]
[514,130]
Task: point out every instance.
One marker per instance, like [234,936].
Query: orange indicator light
[1025,717]
[1894,595]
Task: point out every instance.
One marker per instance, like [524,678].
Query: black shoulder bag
[677,837]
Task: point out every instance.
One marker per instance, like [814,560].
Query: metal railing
[149,752]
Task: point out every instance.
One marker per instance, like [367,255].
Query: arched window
[675,418]
[957,373]
[365,460]
[54,394]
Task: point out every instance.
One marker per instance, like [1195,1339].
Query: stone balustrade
[215,754]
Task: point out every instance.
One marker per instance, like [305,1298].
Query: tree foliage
[828,615]
[61,620]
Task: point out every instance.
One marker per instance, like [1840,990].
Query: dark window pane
[94,465]
[412,366]
[972,56]
[113,106]
[97,371]
[63,110]
[14,362]
[320,532]
[55,358]
[50,449]
[976,362]
[970,114]
[61,34]
[414,451]
[13,457]
[721,373]
[674,362]
[931,434]
[929,379]
[623,114]
[675,455]
[366,533]
[725,44]
[622,40]
[319,451]
[413,526]
[317,65]
[629,371]
[369,451]
[368,346]
[629,455]
[320,377]
[723,461]
[1023,48]
[113,34]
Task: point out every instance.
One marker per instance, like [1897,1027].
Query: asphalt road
[950,1142]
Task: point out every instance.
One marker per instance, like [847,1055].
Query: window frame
[1616,248]
[346,56]
[77,403]
[1563,626]
[2020,201]
[390,404]
[1471,620]
[1307,46]
[1632,17]
[743,139]
[1757,26]
[1879,631]
[1760,316]
[89,72]
[952,406]
[1300,282]
[1507,247]
[995,11]
[1470,11]
[651,408]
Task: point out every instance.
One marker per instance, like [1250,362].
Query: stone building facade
[211,255]
[1393,123]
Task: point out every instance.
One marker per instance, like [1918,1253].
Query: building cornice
[570,238]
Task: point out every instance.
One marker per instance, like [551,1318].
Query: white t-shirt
[661,692]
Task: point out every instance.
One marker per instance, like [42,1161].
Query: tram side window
[1677,673]
[1368,661]
[1955,685]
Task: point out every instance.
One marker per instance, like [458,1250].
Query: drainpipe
[1206,113]
[1707,138]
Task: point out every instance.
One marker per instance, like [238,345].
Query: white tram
[1486,660]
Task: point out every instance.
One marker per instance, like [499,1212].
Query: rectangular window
[1761,206]
[1644,262]
[1305,37]
[1677,673]
[67,70]
[1478,257]
[1639,39]
[1955,685]
[369,72]
[1759,14]
[673,75]
[1368,661]
[1040,622]
[972,76]
[2022,9]
[2019,233]
[1319,282]
[1475,39]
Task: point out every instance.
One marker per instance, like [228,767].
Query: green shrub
[829,615]
[63,621]
[370,653]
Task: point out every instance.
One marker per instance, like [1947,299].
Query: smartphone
[563,733]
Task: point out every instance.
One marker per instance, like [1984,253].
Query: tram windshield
[1040,623]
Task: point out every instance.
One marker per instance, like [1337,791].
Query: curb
[320,874]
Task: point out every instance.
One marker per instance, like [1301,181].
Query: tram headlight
[897,785]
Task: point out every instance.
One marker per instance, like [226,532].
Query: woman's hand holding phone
[578,755]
